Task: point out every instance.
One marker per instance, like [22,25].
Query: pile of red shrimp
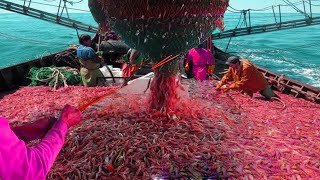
[208,135]
[164,94]
[31,103]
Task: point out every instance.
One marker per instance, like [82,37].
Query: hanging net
[160,28]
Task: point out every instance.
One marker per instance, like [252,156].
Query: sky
[236,4]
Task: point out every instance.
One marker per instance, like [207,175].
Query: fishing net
[159,29]
[97,13]
[54,76]
[210,135]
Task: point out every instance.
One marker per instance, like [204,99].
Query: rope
[295,7]
[214,77]
[35,2]
[148,86]
[164,61]
[35,42]
[283,103]
[65,5]
[258,102]
[235,29]
[84,106]
[54,76]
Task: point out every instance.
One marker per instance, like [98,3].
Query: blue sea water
[294,53]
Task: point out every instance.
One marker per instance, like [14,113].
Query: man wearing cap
[246,78]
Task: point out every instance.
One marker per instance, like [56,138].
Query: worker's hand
[70,115]
[218,86]
[187,67]
[225,89]
[99,53]
[211,69]
[134,68]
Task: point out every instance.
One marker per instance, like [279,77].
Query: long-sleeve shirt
[88,57]
[86,53]
[17,161]
[201,59]
[248,78]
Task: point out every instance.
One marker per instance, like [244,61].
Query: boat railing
[15,76]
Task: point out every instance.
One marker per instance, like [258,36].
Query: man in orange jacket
[246,78]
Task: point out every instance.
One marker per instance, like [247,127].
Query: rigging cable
[46,43]
[235,29]
[234,10]
[71,2]
[65,7]
[51,5]
[296,8]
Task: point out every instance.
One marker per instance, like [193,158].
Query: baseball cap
[233,60]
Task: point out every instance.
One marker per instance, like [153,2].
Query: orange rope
[153,67]
[164,61]
[83,107]
[227,120]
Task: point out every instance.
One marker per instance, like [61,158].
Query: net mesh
[158,28]
[54,76]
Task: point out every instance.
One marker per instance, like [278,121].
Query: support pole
[310,8]
[280,15]
[59,8]
[304,8]
[274,15]
[245,17]
[249,18]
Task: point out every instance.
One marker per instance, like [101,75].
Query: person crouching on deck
[18,161]
[89,61]
[202,62]
[246,78]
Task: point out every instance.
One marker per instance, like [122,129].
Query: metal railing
[26,10]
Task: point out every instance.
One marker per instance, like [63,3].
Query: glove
[218,86]
[99,53]
[225,89]
[70,115]
[134,68]
[187,67]
[211,69]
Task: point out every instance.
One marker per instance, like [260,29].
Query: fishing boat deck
[211,134]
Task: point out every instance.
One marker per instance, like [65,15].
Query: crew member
[90,62]
[133,61]
[18,161]
[246,78]
[202,62]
